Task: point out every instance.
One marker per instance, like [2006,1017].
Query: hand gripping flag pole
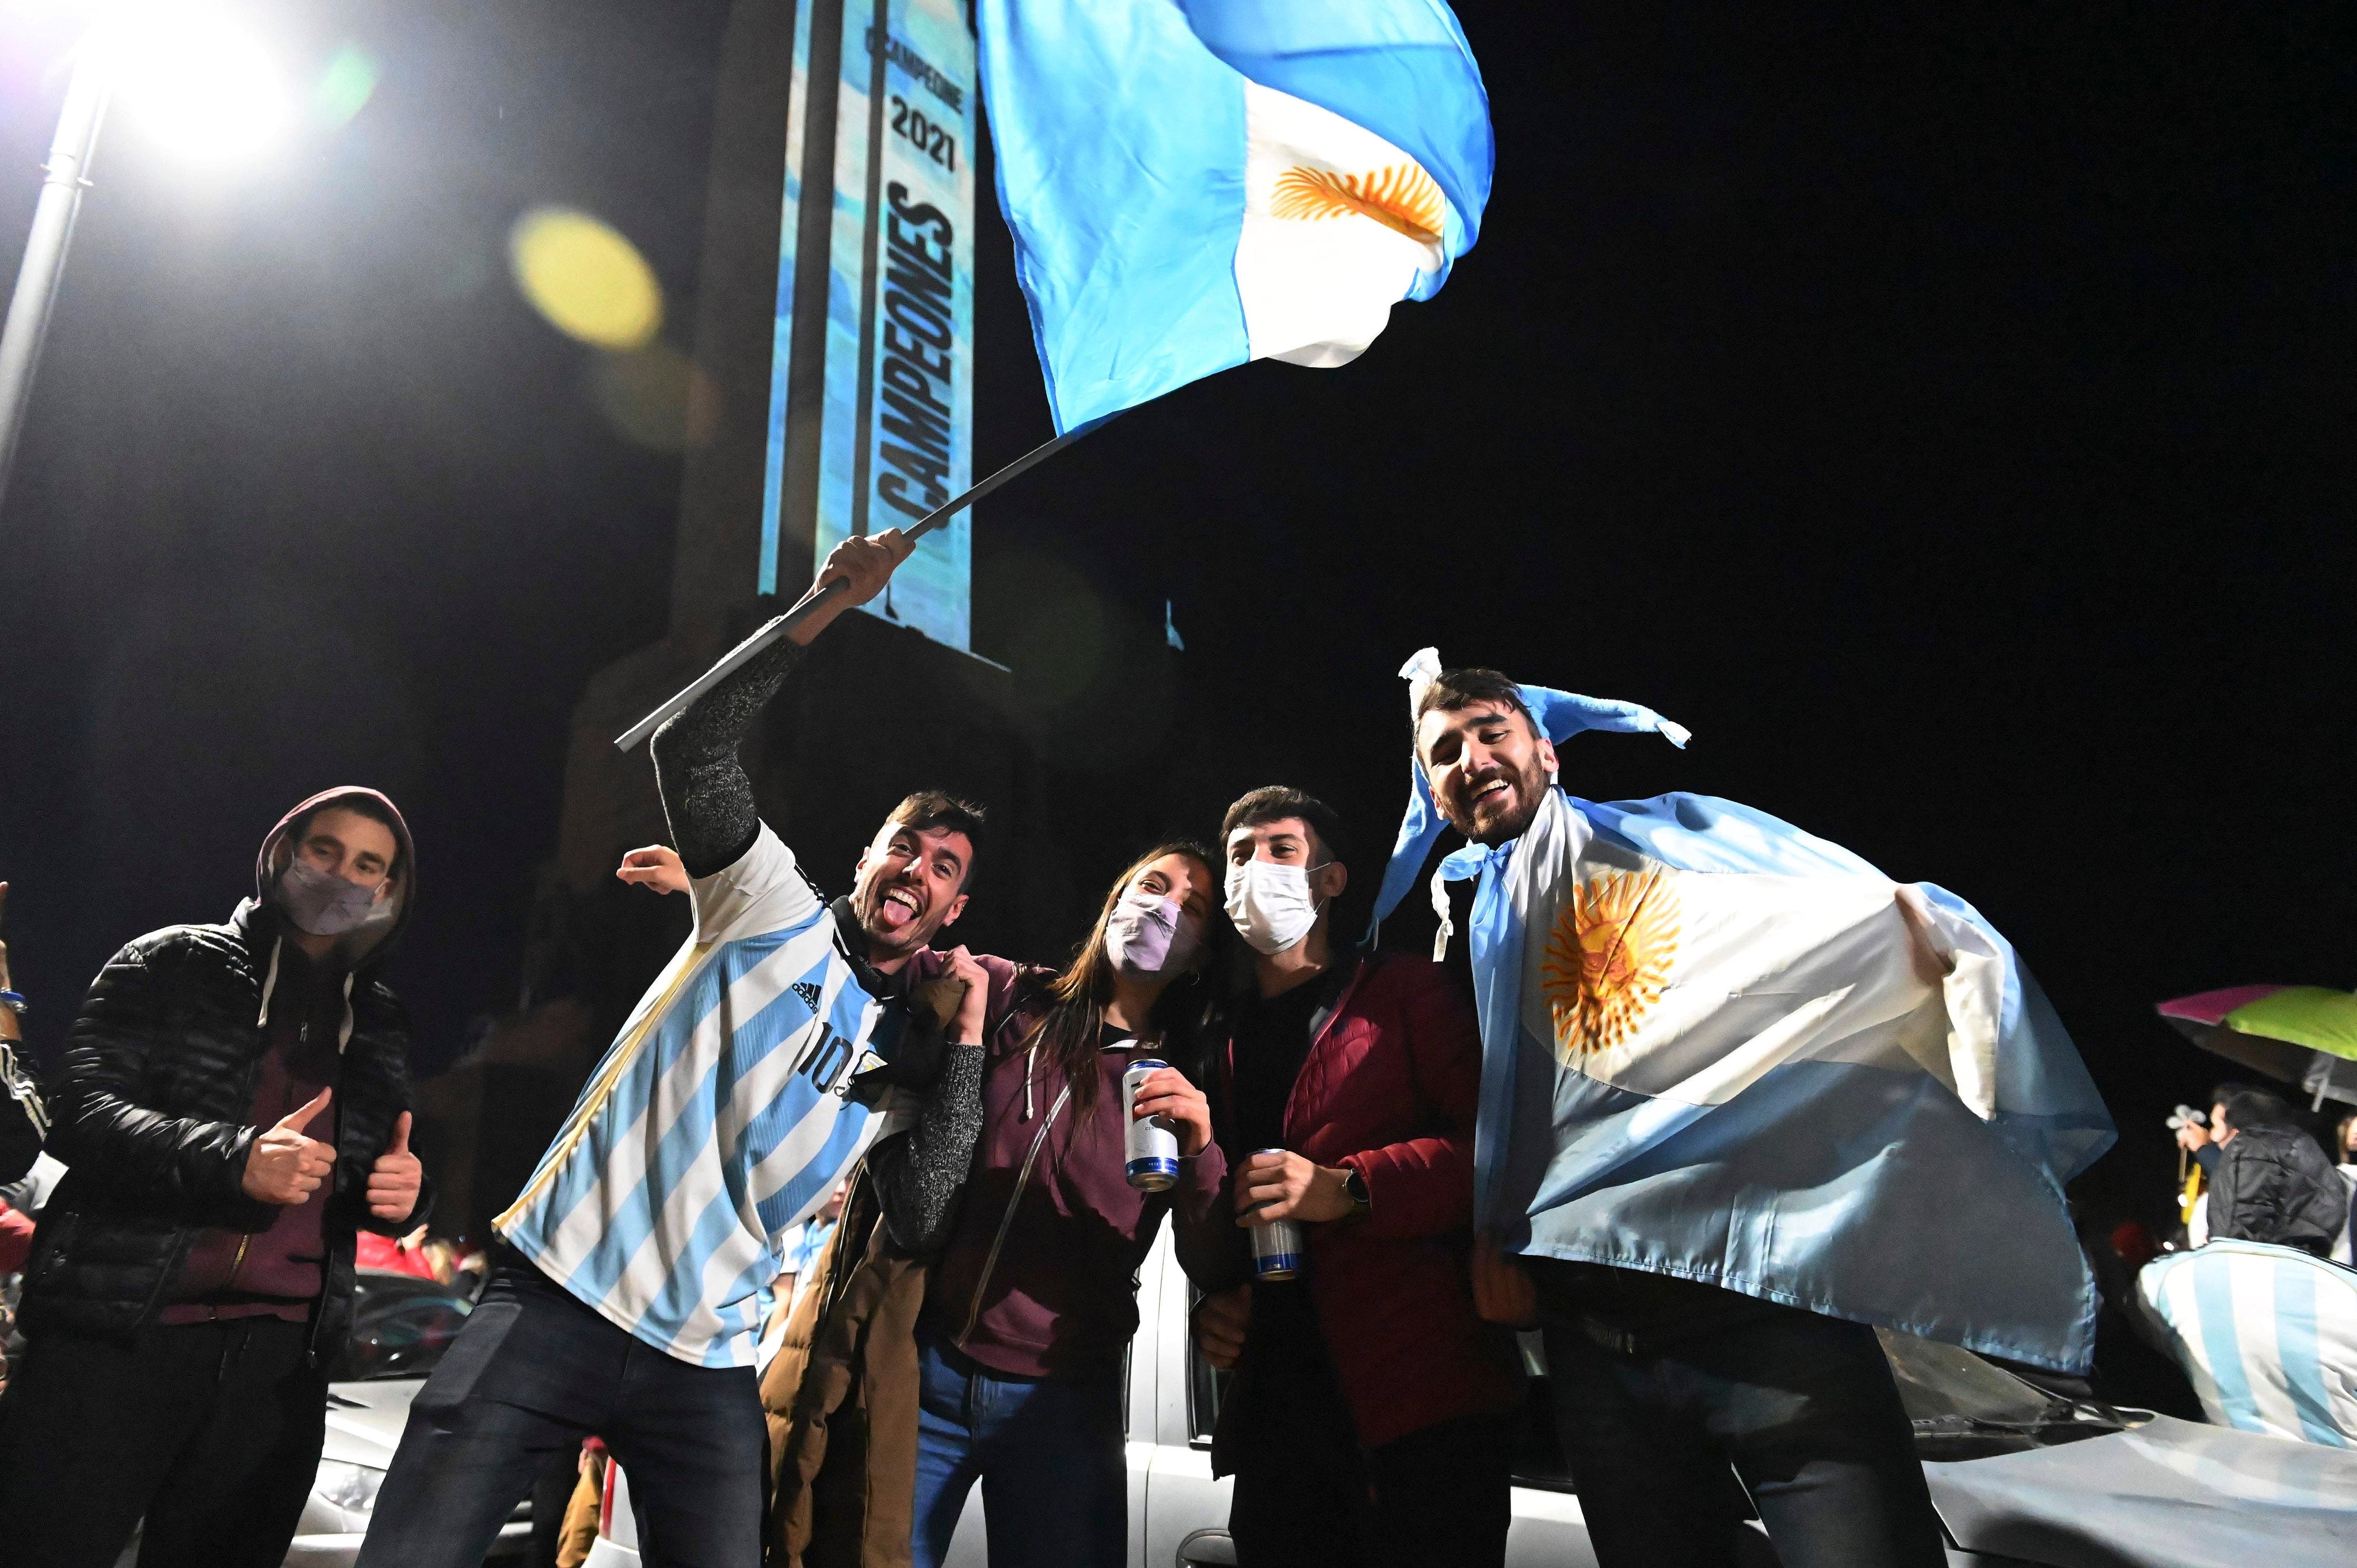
[808,603]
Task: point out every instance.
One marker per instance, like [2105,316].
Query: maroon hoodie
[1035,1279]
[279,1273]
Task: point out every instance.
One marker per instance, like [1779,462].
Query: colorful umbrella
[2305,1035]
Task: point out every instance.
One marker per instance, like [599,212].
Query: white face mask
[1271,903]
[1150,936]
[324,904]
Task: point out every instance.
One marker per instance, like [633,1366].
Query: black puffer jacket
[148,1112]
[2275,1184]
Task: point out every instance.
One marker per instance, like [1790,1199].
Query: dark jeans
[211,1429]
[1307,1496]
[1048,1452]
[533,1373]
[1653,1410]
[1441,1497]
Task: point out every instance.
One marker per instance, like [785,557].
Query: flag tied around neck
[1196,183]
[1718,1047]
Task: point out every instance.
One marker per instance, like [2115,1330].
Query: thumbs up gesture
[285,1166]
[395,1177]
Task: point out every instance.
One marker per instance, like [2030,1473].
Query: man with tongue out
[782,1040]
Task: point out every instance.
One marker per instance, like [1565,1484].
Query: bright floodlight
[199,81]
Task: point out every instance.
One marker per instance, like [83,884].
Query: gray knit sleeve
[706,797]
[919,1174]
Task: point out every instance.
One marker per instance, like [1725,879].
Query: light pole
[64,178]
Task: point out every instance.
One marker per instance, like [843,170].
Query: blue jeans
[1048,1452]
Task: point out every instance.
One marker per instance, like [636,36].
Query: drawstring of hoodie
[269,987]
[1030,1063]
[270,983]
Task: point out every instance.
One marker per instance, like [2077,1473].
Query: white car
[2021,1479]
[400,1326]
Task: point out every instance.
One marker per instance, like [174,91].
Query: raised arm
[707,798]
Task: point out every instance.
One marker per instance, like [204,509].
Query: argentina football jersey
[721,1118]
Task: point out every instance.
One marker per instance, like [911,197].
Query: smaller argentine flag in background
[1196,183]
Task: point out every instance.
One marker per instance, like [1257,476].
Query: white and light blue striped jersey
[2268,1334]
[718,1121]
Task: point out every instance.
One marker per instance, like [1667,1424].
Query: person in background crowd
[24,1119]
[800,1253]
[2344,1151]
[803,1254]
[232,1108]
[578,1533]
[1373,1414]
[1028,1313]
[2269,1181]
[414,1254]
[24,1123]
[786,1035]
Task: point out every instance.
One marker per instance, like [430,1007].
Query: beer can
[1151,1144]
[1279,1249]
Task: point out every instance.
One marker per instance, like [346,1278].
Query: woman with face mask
[1029,1310]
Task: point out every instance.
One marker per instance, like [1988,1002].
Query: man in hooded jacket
[232,1108]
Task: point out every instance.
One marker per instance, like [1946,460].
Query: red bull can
[1152,1143]
[1280,1251]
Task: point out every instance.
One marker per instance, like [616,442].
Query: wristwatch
[1354,1188]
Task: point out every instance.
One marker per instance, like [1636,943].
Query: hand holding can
[1152,1145]
[1280,1251]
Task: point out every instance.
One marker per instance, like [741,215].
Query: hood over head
[371,942]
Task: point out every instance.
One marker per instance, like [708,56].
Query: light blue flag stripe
[2213,1297]
[1091,101]
[2303,1366]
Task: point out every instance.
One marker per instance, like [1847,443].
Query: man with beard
[785,1038]
[1743,1098]
[232,1110]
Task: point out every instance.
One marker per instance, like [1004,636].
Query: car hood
[2168,1494]
[364,1420]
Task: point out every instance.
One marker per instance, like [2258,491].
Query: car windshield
[1939,1382]
[1964,1407]
[401,1326]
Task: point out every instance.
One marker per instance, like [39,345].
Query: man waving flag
[1197,183]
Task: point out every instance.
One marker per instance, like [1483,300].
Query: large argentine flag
[1718,1047]
[1196,183]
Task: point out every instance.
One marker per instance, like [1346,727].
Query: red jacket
[1390,1087]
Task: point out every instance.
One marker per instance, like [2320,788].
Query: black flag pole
[810,603]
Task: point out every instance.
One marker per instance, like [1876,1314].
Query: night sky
[1948,420]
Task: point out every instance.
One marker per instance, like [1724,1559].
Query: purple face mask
[324,904]
[1149,936]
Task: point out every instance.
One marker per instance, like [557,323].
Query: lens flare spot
[657,397]
[345,87]
[589,282]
